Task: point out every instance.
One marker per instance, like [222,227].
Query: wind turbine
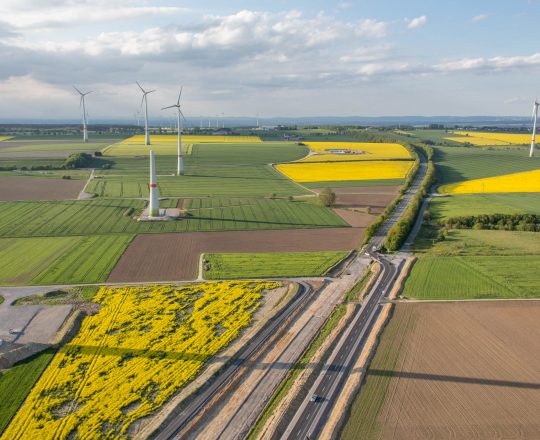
[84,120]
[534,118]
[180,163]
[144,101]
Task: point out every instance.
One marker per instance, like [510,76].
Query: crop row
[26,219]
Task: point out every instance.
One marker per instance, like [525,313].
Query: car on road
[314,398]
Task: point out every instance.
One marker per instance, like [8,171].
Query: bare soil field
[173,257]
[37,188]
[464,370]
[374,198]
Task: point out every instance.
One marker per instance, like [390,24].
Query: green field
[476,204]
[17,381]
[210,170]
[270,265]
[364,421]
[474,277]
[59,260]
[105,216]
[461,242]
[456,164]
[20,146]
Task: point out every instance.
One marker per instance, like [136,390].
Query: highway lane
[311,415]
[177,423]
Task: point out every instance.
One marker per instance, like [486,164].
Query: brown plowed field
[37,188]
[376,198]
[169,257]
[466,370]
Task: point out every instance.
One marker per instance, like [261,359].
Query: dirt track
[163,257]
[38,188]
[466,370]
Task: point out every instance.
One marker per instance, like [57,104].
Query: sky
[271,58]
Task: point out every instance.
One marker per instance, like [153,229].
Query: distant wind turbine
[144,101]
[534,118]
[180,115]
[84,115]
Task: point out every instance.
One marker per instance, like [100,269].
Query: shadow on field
[459,379]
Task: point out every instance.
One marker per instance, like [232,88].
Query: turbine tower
[180,115]
[153,205]
[84,119]
[534,118]
[144,101]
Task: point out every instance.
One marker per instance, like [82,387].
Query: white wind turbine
[145,102]
[534,118]
[180,115]
[84,115]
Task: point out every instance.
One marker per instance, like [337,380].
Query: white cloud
[246,33]
[482,64]
[31,14]
[345,5]
[478,18]
[417,22]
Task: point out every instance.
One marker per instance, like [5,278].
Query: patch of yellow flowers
[351,151]
[143,345]
[340,171]
[528,181]
[481,138]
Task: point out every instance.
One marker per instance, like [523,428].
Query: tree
[327,197]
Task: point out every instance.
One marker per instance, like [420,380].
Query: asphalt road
[312,414]
[177,423]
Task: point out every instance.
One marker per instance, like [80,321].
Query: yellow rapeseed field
[528,181]
[5,138]
[482,138]
[336,171]
[143,345]
[348,151]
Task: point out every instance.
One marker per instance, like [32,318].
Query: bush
[98,153]
[66,177]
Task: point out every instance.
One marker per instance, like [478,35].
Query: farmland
[457,164]
[528,181]
[31,219]
[160,257]
[351,151]
[474,204]
[474,277]
[484,386]
[119,368]
[268,265]
[16,383]
[483,138]
[60,260]
[36,188]
[336,171]
[240,169]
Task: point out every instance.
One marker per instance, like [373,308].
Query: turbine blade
[78,91]
[180,94]
[142,101]
[140,87]
[182,114]
[151,91]
[171,106]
